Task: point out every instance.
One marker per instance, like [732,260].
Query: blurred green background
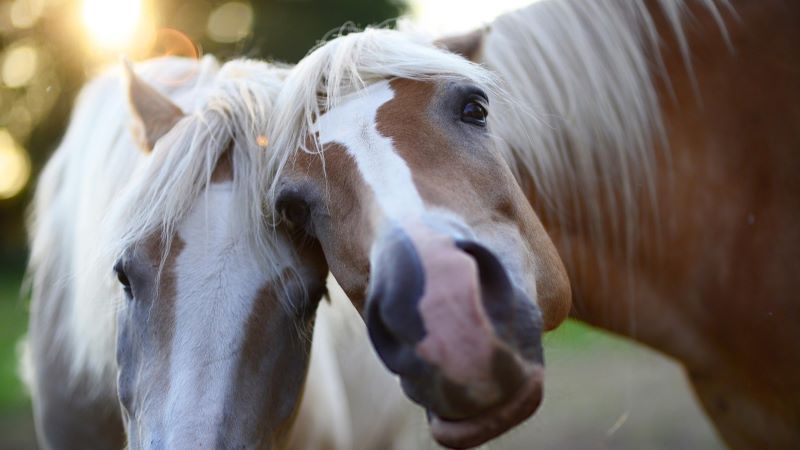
[602,391]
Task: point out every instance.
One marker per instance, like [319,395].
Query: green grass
[577,336]
[13,323]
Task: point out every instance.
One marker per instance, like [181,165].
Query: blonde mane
[588,70]
[100,194]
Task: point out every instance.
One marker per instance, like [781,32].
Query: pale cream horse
[167,312]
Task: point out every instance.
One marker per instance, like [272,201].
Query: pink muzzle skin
[460,339]
[429,322]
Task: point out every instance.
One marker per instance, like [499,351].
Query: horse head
[213,334]
[389,163]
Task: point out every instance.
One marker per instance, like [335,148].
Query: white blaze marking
[217,280]
[353,124]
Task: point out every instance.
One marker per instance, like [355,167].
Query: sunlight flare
[112,24]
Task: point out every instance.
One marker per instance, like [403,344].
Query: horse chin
[475,431]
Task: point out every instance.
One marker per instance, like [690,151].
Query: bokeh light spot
[112,23]
[230,22]
[25,13]
[19,65]
[15,166]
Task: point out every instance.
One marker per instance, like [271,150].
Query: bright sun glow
[112,23]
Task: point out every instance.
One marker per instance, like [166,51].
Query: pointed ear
[468,45]
[153,113]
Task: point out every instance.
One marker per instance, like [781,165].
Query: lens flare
[171,42]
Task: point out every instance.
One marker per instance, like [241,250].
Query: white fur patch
[353,124]
[218,277]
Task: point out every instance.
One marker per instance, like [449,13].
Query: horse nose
[497,292]
[443,314]
[515,318]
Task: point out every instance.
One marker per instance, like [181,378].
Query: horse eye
[475,113]
[123,278]
[293,210]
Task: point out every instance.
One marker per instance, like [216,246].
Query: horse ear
[153,113]
[468,45]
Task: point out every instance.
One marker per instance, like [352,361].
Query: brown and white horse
[382,154]
[664,163]
[203,342]
[660,151]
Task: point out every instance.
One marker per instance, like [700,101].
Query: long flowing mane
[99,193]
[589,69]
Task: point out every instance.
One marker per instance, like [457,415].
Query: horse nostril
[497,290]
[515,317]
[398,356]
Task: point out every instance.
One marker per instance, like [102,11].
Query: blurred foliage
[12,324]
[46,54]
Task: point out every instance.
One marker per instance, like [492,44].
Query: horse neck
[697,167]
[590,147]
[726,184]
[584,129]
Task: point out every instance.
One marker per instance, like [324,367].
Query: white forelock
[347,64]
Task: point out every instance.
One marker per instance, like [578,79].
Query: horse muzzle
[444,315]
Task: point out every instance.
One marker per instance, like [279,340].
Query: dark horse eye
[475,113]
[122,277]
[293,210]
